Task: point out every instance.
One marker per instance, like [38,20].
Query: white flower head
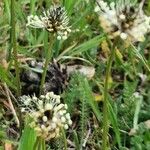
[137,95]
[123,18]
[54,20]
[48,114]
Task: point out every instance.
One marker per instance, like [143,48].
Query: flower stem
[43,144]
[64,138]
[39,144]
[105,142]
[14,46]
[48,58]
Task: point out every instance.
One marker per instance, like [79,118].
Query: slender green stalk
[14,46]
[137,111]
[76,140]
[64,138]
[36,144]
[149,6]
[141,57]
[32,6]
[105,142]
[48,58]
[43,144]
[39,144]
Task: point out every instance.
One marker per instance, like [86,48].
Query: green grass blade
[28,139]
[90,99]
[4,76]
[141,57]
[76,140]
[137,111]
[87,45]
[114,122]
[64,138]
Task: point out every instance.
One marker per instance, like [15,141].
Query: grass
[109,109]
[14,45]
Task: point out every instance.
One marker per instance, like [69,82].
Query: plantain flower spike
[123,18]
[54,20]
[48,114]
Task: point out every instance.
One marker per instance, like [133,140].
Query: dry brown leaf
[8,146]
[3,61]
[85,70]
[133,131]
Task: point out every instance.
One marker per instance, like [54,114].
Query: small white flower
[48,106]
[123,18]
[63,119]
[70,122]
[59,37]
[43,127]
[123,36]
[34,98]
[68,116]
[142,76]
[54,20]
[137,95]
[48,114]
[63,37]
[53,126]
[35,22]
[42,96]
[47,96]
[66,106]
[62,112]
[40,102]
[66,126]
[54,119]
[45,118]
[22,109]
[27,101]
